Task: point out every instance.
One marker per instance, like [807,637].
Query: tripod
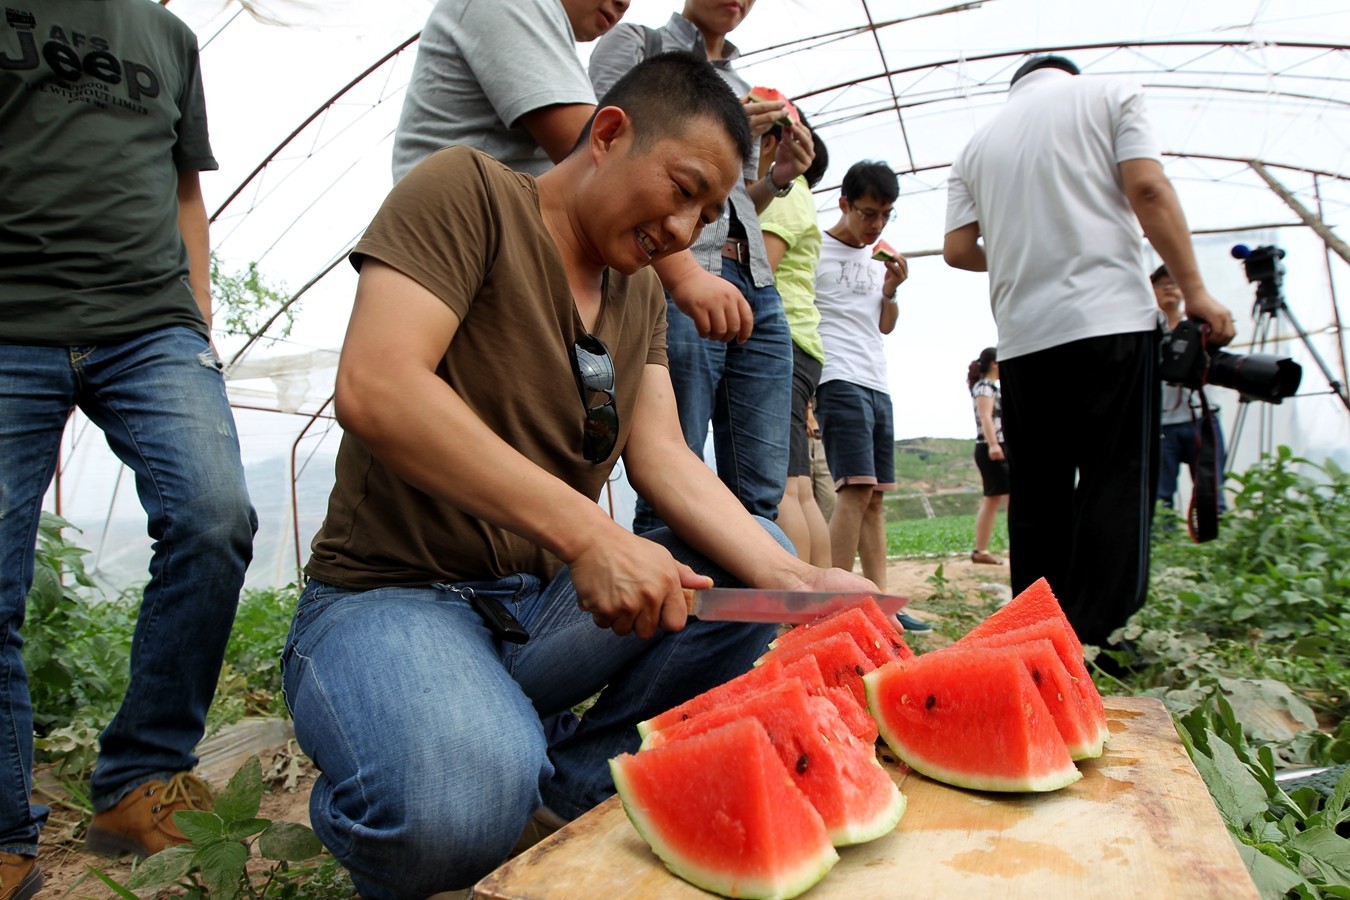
[1267,308]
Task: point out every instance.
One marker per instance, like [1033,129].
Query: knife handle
[691,602]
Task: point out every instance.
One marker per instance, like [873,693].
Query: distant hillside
[934,477]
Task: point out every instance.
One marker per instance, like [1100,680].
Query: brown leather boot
[142,821]
[20,877]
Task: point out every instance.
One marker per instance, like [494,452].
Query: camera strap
[1203,515]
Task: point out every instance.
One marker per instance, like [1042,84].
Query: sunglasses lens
[601,433]
[595,370]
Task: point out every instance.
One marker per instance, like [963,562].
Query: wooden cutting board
[1140,823]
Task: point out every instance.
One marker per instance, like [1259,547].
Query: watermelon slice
[733,691]
[855,797]
[721,813]
[842,662]
[884,251]
[1036,604]
[1073,718]
[852,714]
[790,114]
[971,719]
[882,642]
[1054,630]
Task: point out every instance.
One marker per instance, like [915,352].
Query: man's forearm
[196,234]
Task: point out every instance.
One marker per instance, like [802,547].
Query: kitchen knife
[786,607]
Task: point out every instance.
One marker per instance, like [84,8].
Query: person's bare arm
[984,408]
[693,501]
[719,310]
[897,270]
[556,128]
[389,397]
[774,248]
[793,157]
[961,249]
[196,233]
[1154,201]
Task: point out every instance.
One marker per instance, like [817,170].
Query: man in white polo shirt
[1058,184]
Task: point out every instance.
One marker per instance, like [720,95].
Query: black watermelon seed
[930,702]
[1036,675]
[802,762]
[859,670]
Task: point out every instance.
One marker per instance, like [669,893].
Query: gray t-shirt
[101,106]
[625,47]
[481,65]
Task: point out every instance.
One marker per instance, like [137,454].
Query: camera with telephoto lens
[1187,361]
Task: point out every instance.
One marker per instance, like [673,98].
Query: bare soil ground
[67,867]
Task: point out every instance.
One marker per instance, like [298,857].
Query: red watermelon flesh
[732,691]
[882,642]
[721,813]
[852,714]
[790,113]
[974,719]
[1059,634]
[840,776]
[855,716]
[1036,604]
[842,662]
[884,251]
[1072,717]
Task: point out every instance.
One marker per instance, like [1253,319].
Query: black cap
[1159,274]
[1043,62]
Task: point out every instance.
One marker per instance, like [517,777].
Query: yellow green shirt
[793,218]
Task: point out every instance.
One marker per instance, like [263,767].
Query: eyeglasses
[595,374]
[874,215]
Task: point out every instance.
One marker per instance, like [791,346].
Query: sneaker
[912,624]
[984,557]
[142,822]
[20,877]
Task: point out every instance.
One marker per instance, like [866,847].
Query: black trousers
[1081,425]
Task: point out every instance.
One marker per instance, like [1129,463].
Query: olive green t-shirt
[101,106]
[469,230]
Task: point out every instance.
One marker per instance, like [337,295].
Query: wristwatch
[778,191]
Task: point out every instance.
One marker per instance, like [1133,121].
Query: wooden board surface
[1140,823]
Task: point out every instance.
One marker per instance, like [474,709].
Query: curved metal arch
[320,110]
[1065,48]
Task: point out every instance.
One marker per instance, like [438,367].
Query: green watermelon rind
[881,825]
[1051,781]
[806,875]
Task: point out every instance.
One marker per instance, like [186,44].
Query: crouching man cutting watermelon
[506,348]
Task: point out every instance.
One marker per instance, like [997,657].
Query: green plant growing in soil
[215,862]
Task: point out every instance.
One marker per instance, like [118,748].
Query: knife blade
[775,606]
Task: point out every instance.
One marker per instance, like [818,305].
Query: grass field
[943,536]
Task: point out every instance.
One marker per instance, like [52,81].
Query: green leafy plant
[1292,843]
[248,302]
[215,862]
[75,649]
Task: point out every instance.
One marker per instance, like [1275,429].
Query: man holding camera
[1181,422]
[1058,184]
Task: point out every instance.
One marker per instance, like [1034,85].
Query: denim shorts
[805,377]
[857,428]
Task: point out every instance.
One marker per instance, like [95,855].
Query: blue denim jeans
[160,401]
[429,733]
[1179,444]
[745,390]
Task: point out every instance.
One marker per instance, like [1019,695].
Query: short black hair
[1043,62]
[868,177]
[665,92]
[816,171]
[1159,274]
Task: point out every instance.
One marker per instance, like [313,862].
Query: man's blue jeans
[160,401]
[745,390]
[428,731]
[1179,445]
